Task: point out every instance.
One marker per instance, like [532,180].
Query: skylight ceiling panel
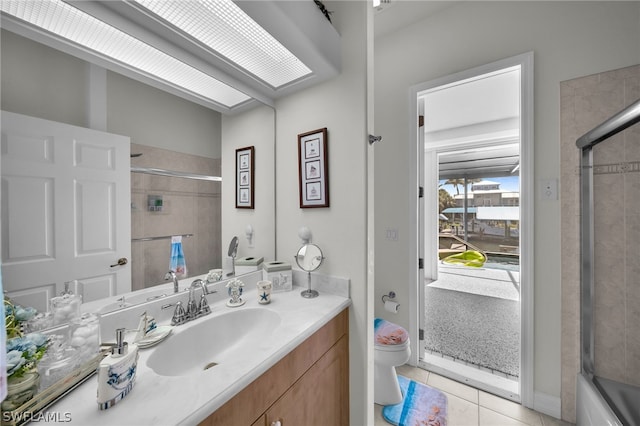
[86,31]
[225,29]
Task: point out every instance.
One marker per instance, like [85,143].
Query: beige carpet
[474,316]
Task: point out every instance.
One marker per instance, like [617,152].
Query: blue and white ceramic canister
[264,292]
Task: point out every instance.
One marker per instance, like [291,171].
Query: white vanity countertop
[164,400]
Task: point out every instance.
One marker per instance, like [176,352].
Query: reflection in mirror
[232,253]
[163,207]
[309,258]
[233,247]
[171,275]
[185,137]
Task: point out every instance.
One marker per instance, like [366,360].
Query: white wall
[43,82]
[256,128]
[152,117]
[341,229]
[569,39]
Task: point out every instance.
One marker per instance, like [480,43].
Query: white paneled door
[66,214]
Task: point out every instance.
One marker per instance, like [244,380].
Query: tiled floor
[468,406]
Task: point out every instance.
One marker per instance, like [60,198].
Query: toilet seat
[387,333]
[392,348]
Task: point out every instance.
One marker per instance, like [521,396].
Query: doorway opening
[474,228]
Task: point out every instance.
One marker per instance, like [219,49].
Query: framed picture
[244,177]
[313,169]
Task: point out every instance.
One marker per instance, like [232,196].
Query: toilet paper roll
[391,306]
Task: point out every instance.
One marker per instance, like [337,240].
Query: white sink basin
[212,341]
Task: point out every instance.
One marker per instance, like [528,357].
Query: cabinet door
[321,396]
[262,421]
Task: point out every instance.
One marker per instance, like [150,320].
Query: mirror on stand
[232,253]
[309,258]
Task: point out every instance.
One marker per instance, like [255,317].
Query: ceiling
[474,125]
[298,25]
[483,112]
[493,161]
[393,15]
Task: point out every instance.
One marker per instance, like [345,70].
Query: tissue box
[248,264]
[279,273]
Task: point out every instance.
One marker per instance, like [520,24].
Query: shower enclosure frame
[617,123]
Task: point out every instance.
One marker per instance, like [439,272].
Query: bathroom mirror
[309,258]
[126,90]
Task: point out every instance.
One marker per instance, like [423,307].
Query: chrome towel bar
[165,237]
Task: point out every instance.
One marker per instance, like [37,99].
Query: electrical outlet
[392,235]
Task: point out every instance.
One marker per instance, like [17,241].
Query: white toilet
[391,349]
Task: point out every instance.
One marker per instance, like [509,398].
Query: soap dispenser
[117,372]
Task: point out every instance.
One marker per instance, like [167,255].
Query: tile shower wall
[189,207]
[585,103]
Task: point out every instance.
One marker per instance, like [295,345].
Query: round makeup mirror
[309,258]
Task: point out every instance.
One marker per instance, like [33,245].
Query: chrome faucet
[197,310]
[194,310]
[171,275]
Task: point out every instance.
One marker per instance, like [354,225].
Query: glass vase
[20,390]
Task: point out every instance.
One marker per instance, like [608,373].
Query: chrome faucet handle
[203,308]
[179,316]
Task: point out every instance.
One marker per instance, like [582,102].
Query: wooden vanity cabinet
[310,386]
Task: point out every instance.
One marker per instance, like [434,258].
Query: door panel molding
[65,207]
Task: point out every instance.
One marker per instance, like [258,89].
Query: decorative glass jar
[85,336]
[65,308]
[20,390]
[59,361]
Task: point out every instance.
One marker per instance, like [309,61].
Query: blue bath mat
[421,405]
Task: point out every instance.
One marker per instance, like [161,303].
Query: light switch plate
[549,189]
